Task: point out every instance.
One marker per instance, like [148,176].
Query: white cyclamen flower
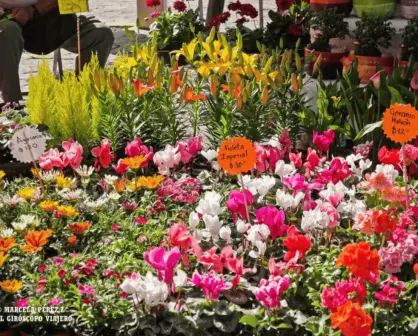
[287,201]
[225,234]
[314,220]
[388,170]
[213,225]
[193,220]
[180,280]
[210,204]
[284,169]
[167,159]
[210,154]
[242,226]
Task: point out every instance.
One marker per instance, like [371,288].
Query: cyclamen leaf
[250,320]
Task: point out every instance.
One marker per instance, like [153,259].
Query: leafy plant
[409,40]
[371,33]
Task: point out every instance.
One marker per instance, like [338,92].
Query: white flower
[225,234]
[211,204]
[84,171]
[48,177]
[242,226]
[274,142]
[98,203]
[352,207]
[110,179]
[216,166]
[114,196]
[284,169]
[180,280]
[71,195]
[261,247]
[210,154]
[12,201]
[257,235]
[314,219]
[19,226]
[213,225]
[5,233]
[193,220]
[260,186]
[388,170]
[287,201]
[167,159]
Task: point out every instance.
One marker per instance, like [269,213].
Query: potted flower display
[409,44]
[371,33]
[329,24]
[380,8]
[342,6]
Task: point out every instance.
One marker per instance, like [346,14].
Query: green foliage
[409,40]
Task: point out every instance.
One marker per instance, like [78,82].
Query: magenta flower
[261,152]
[22,303]
[212,285]
[324,141]
[296,159]
[85,289]
[54,302]
[270,291]
[338,171]
[236,203]
[155,14]
[274,219]
[164,262]
[58,261]
[414,82]
[295,182]
[189,149]
[389,291]
[136,148]
[333,297]
[115,227]
[53,159]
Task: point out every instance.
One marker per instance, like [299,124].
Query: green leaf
[368,129]
[395,96]
[284,326]
[128,34]
[250,320]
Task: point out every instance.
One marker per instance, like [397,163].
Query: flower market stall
[198,192]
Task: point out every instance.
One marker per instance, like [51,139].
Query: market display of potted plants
[342,6]
[371,33]
[409,44]
[379,8]
[327,24]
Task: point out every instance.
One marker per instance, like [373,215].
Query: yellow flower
[67,211]
[63,182]
[11,286]
[48,206]
[135,184]
[134,162]
[26,193]
[35,172]
[151,182]
[3,258]
[2,174]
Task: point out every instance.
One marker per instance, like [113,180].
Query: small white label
[28,144]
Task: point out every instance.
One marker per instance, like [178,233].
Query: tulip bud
[294,83]
[214,85]
[265,95]
[317,64]
[298,62]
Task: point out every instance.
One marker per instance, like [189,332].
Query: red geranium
[389,156]
[153,3]
[352,320]
[234,6]
[180,6]
[296,243]
[248,10]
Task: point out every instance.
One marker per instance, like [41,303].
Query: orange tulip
[6,244]
[141,88]
[35,240]
[80,228]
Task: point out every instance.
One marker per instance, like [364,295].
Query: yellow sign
[73,6]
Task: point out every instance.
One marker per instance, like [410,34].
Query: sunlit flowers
[35,240]
[164,262]
[63,182]
[66,211]
[346,290]
[141,88]
[6,244]
[103,155]
[79,228]
[269,292]
[3,258]
[390,290]
[48,206]
[2,174]
[11,286]
[211,284]
[352,320]
[375,221]
[27,193]
[134,162]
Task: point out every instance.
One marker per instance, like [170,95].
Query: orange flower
[151,182]
[265,95]
[35,240]
[416,270]
[120,185]
[72,240]
[375,221]
[189,97]
[360,260]
[11,286]
[213,85]
[141,88]
[6,244]
[67,211]
[79,228]
[48,206]
[3,258]
[135,162]
[236,93]
[352,320]
[294,84]
[176,83]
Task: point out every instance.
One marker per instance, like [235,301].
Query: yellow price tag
[73,6]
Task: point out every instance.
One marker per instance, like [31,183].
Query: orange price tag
[236,155]
[400,123]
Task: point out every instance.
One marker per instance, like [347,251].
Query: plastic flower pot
[381,8]
[144,13]
[409,8]
[342,6]
[367,65]
[330,65]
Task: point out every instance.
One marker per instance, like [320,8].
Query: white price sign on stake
[28,145]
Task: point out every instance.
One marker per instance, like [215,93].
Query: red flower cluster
[284,4]
[295,30]
[296,243]
[352,320]
[221,18]
[153,3]
[248,10]
[180,6]
[360,260]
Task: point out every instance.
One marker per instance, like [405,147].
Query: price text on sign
[400,123]
[73,6]
[28,145]
[236,155]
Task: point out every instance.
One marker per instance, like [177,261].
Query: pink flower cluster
[352,289]
[363,149]
[182,191]
[270,291]
[274,219]
[390,290]
[236,203]
[211,284]
[324,141]
[132,149]
[164,262]
[189,149]
[268,156]
[72,156]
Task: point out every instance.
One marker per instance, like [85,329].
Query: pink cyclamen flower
[189,149]
[211,284]
[73,152]
[22,303]
[324,141]
[261,152]
[85,289]
[352,289]
[54,302]
[312,161]
[136,148]
[269,292]
[115,227]
[216,262]
[103,155]
[164,262]
[141,220]
[53,159]
[296,159]
[274,219]
[390,290]
[58,261]
[236,203]
[121,167]
[295,182]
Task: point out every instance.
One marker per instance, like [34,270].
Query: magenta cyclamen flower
[333,297]
[22,303]
[274,219]
[54,302]
[324,141]
[236,203]
[389,292]
[85,289]
[212,285]
[189,149]
[270,291]
[164,262]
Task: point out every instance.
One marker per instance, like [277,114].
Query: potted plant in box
[379,8]
[371,33]
[409,44]
[329,24]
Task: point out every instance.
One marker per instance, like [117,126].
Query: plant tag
[236,155]
[28,144]
[73,6]
[400,123]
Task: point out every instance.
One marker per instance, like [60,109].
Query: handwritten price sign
[236,155]
[400,123]
[28,145]
[73,6]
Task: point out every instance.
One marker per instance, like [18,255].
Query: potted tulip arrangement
[329,24]
[409,43]
[371,33]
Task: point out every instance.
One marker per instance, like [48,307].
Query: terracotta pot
[381,8]
[10,332]
[330,65]
[367,66]
[144,13]
[342,6]
[409,8]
